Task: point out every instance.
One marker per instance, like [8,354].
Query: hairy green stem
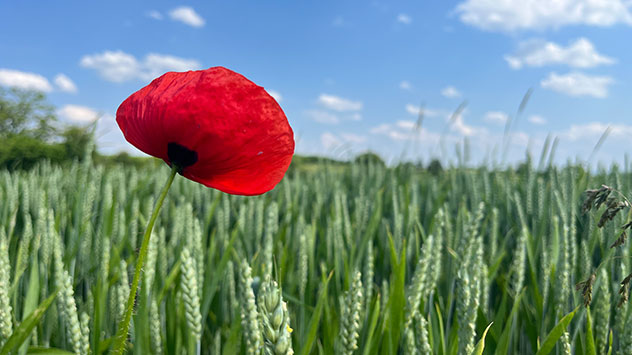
[123,327]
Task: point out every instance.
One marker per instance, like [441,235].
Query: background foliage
[30,132]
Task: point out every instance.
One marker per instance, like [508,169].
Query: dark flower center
[181,156]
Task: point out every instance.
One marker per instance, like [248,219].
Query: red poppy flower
[219,129]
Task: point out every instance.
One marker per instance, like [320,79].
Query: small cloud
[65,84]
[157,64]
[322,117]
[381,129]
[578,54]
[405,19]
[450,92]
[24,80]
[118,66]
[405,124]
[115,66]
[412,109]
[520,139]
[187,15]
[275,95]
[78,114]
[405,85]
[332,141]
[329,141]
[415,110]
[458,125]
[514,15]
[594,130]
[405,130]
[536,119]
[326,117]
[578,84]
[353,138]
[155,15]
[496,117]
[338,103]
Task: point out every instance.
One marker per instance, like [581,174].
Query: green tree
[77,140]
[29,132]
[435,167]
[26,113]
[23,152]
[369,158]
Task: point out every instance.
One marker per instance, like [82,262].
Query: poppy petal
[241,138]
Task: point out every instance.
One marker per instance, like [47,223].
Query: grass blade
[556,333]
[480,346]
[25,328]
[590,340]
[315,320]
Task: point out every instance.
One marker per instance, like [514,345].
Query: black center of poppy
[181,156]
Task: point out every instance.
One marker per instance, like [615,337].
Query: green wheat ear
[275,320]
[6,317]
[249,315]
[78,336]
[190,294]
[350,316]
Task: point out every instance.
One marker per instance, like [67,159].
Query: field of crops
[360,259]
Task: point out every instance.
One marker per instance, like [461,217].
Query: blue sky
[351,76]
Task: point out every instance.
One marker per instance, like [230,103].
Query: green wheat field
[353,258]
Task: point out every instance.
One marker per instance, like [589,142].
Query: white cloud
[405,130]
[393,132]
[329,141]
[579,54]
[80,114]
[322,117]
[113,66]
[338,103]
[595,130]
[520,139]
[353,138]
[157,64]
[110,139]
[414,110]
[405,19]
[405,85]
[512,15]
[155,15]
[458,125]
[24,80]
[187,15]
[537,119]
[275,95]
[65,84]
[381,129]
[496,117]
[450,92]
[578,84]
[326,117]
[118,66]
[405,124]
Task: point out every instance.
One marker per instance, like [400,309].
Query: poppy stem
[123,327]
